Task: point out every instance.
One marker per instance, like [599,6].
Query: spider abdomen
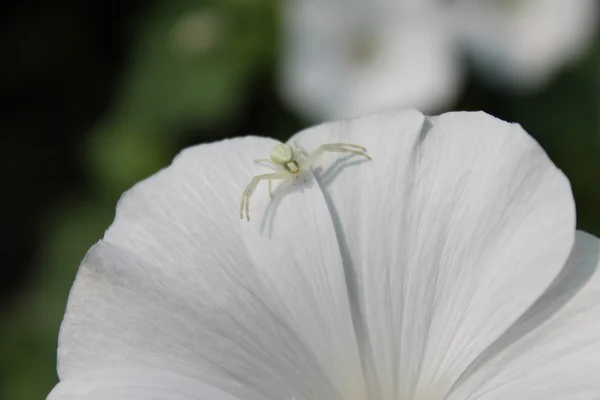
[282,154]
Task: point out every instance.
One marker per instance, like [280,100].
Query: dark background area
[60,65]
[67,152]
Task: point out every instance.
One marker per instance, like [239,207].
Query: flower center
[363,47]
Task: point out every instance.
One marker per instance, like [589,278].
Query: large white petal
[526,42]
[553,352]
[453,230]
[135,384]
[174,286]
[410,57]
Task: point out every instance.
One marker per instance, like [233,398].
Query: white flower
[343,58]
[347,58]
[524,43]
[447,268]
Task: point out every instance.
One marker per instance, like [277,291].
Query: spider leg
[270,163]
[352,146]
[245,203]
[335,148]
[300,151]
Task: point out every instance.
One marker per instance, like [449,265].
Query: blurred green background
[101,94]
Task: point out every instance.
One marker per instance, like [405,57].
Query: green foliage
[28,347]
[120,153]
[193,60]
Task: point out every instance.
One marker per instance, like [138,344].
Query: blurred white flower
[447,268]
[346,58]
[524,43]
[343,58]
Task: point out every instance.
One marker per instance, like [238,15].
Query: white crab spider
[289,162]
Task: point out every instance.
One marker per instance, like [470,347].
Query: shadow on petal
[578,270]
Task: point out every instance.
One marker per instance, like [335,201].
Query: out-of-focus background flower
[98,95]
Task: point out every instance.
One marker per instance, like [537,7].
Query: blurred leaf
[120,153]
[194,59]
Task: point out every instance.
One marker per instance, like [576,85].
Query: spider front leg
[335,148]
[270,163]
[245,203]
[299,151]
